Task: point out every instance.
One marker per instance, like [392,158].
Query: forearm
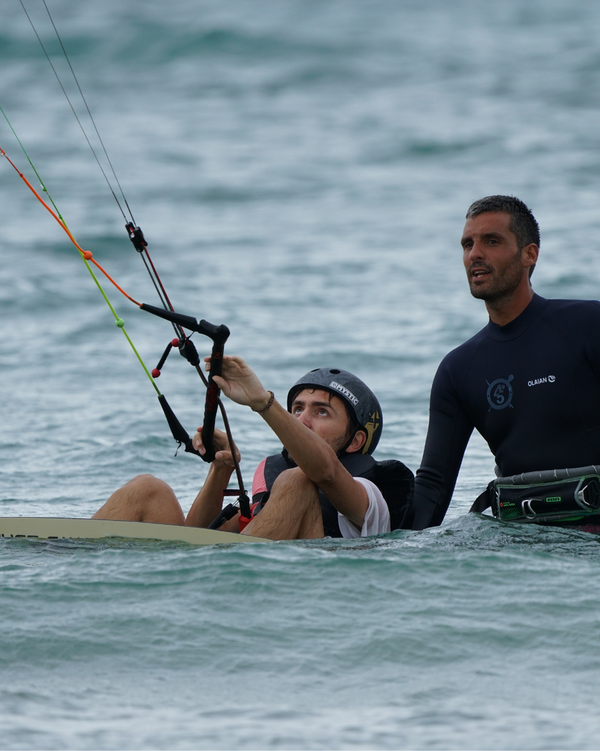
[311,453]
[209,501]
[432,495]
[435,479]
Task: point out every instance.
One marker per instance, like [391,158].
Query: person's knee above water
[332,425]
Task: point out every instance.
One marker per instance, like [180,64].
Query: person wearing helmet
[323,483]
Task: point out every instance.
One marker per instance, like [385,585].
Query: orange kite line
[86,254]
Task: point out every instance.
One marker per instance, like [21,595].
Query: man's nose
[476,251]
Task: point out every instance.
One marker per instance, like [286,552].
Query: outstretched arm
[311,453]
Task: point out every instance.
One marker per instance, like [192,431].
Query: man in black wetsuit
[529,381]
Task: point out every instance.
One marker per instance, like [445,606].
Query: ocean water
[301,171]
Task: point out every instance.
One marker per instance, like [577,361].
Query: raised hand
[240,383]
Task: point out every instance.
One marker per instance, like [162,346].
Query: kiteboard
[54,528]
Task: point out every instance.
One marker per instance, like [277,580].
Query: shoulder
[571,308]
[458,360]
[577,319]
[465,351]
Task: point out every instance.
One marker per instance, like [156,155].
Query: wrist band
[267,406]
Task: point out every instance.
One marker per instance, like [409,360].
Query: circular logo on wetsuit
[500,393]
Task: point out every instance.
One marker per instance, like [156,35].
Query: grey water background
[301,170]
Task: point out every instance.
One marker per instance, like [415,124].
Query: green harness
[557,495]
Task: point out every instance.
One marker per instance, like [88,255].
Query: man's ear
[357,443]
[530,254]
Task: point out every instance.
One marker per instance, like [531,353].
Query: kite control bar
[219,335]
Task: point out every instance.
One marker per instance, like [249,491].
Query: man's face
[492,259]
[324,414]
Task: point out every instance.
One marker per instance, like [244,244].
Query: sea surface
[301,170]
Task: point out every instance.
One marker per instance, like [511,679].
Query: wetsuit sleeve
[447,436]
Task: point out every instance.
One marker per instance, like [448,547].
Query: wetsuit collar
[520,324]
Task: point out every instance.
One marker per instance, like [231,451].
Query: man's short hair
[523,224]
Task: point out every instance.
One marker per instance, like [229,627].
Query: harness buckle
[588,496]
[528,511]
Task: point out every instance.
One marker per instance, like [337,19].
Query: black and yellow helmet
[362,402]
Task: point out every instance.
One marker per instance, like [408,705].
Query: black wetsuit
[531,388]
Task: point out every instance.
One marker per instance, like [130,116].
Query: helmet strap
[343,450]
